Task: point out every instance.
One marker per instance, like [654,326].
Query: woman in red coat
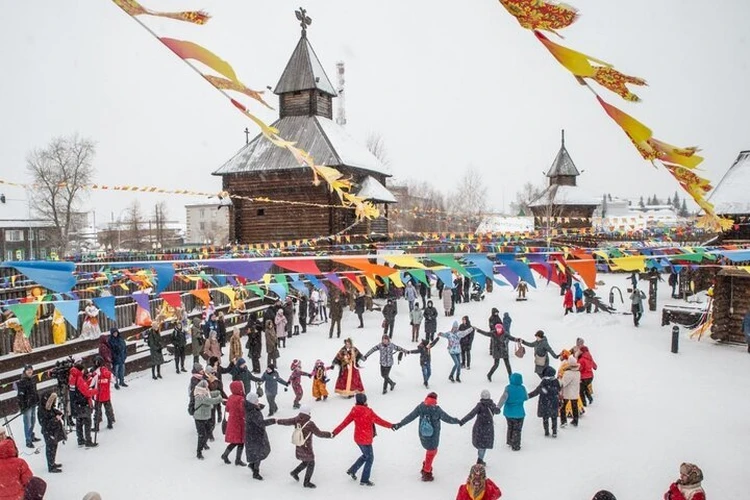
[14,472]
[478,486]
[568,301]
[588,365]
[364,432]
[235,433]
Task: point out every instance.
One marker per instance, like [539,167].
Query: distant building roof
[730,196]
[566,195]
[24,223]
[371,189]
[322,138]
[304,72]
[563,163]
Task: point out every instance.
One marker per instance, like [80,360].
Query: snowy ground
[652,411]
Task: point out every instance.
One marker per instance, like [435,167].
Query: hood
[548,372]
[577,286]
[237,388]
[454,328]
[506,316]
[429,303]
[196,321]
[8,449]
[495,311]
[431,400]
[104,339]
[516,379]
[584,349]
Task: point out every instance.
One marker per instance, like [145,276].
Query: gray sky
[446,83]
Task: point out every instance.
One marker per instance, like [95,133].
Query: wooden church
[563,204]
[262,170]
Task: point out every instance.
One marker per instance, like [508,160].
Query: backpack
[298,437]
[425,427]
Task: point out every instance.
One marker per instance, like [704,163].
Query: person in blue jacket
[512,402]
[119,353]
[577,296]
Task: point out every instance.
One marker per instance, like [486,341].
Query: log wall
[731,303]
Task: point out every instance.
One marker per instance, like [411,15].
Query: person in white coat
[571,384]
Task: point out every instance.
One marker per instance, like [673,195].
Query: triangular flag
[107,306]
[281,280]
[449,261]
[69,310]
[227,290]
[257,291]
[444,275]
[315,282]
[172,298]
[56,276]
[373,285]
[419,275]
[252,270]
[164,276]
[203,295]
[142,300]
[26,314]
[334,279]
[279,289]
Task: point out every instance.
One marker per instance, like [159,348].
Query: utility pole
[341,110]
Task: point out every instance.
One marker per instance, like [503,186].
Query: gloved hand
[395,427]
[286,389]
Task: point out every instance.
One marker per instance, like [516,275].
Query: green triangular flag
[257,291]
[26,314]
[281,279]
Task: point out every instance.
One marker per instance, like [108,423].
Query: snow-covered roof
[372,189]
[730,196]
[566,195]
[504,224]
[23,223]
[322,138]
[304,72]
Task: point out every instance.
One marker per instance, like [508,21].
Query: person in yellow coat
[319,388]
[59,332]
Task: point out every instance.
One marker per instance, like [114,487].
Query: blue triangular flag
[69,309]
[107,306]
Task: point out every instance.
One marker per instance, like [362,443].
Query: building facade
[26,240]
[207,224]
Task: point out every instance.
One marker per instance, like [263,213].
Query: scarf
[476,481]
[689,490]
[201,391]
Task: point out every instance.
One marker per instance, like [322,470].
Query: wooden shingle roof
[304,72]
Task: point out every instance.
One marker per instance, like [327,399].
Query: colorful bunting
[303,266]
[55,276]
[142,299]
[26,314]
[540,14]
[334,279]
[69,310]
[164,276]
[450,261]
[135,9]
[252,270]
[586,269]
[203,295]
[172,298]
[107,306]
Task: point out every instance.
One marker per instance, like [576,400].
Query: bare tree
[61,172]
[159,218]
[548,212]
[468,202]
[528,193]
[134,222]
[376,145]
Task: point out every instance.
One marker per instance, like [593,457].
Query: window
[42,253]
[203,212]
[261,211]
[214,225]
[202,226]
[13,235]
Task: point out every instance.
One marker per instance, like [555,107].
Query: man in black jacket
[28,399]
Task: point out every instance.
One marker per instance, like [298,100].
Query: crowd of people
[563,393]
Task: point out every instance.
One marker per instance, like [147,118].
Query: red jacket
[674,493]
[491,492]
[103,383]
[14,472]
[78,381]
[568,299]
[588,365]
[364,424]
[236,409]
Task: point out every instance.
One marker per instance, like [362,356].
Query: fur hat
[693,474]
[539,334]
[603,495]
[360,399]
[485,394]
[252,398]
[92,495]
[305,410]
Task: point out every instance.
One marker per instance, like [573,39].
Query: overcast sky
[446,83]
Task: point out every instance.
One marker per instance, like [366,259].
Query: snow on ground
[652,411]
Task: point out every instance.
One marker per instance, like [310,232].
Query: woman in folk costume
[320,379]
[349,382]
[235,346]
[90,329]
[688,487]
[478,486]
[59,332]
[21,344]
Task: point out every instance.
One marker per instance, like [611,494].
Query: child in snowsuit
[304,452]
[425,358]
[102,382]
[548,407]
[512,402]
[568,301]
[295,379]
[271,381]
[319,389]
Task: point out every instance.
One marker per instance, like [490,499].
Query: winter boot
[309,485]
[225,458]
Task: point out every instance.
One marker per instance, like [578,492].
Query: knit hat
[603,495]
[305,410]
[295,364]
[539,334]
[197,368]
[360,399]
[693,474]
[252,398]
[485,394]
[27,367]
[35,489]
[432,395]
[455,325]
[210,370]
[92,495]
[499,329]
[240,362]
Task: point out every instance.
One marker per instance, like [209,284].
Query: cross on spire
[304,20]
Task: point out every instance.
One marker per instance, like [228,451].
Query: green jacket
[203,405]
